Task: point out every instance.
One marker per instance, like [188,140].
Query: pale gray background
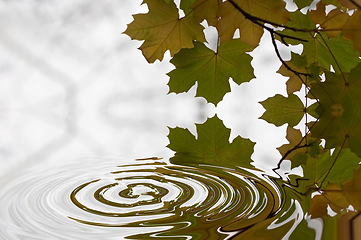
[72,86]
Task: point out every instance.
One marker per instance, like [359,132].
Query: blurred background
[73,86]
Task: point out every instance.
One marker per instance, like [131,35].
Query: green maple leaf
[336,52]
[303,3]
[210,69]
[299,21]
[212,146]
[325,168]
[319,48]
[185,5]
[162,30]
[281,110]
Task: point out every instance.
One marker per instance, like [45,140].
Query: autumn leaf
[211,70]
[352,190]
[333,197]
[296,68]
[212,146]
[231,20]
[281,110]
[352,30]
[338,198]
[206,10]
[162,30]
[299,148]
[351,4]
[333,22]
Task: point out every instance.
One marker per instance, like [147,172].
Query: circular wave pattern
[184,200]
[136,200]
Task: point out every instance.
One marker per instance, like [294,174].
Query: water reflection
[206,202]
[143,199]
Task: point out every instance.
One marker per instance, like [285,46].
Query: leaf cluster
[327,73]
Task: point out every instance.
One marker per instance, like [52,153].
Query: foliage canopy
[328,71]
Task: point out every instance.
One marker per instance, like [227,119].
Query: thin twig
[272,32]
[263,21]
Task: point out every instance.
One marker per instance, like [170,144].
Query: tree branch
[262,21]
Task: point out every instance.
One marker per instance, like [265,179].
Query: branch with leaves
[329,69]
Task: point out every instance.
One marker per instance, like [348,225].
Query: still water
[143,199]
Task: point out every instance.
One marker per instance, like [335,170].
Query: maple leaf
[333,22]
[324,168]
[300,21]
[338,198]
[206,9]
[339,110]
[303,3]
[333,197]
[328,52]
[352,30]
[281,110]
[162,30]
[232,19]
[299,148]
[298,64]
[185,5]
[212,146]
[351,4]
[299,72]
[319,48]
[210,69]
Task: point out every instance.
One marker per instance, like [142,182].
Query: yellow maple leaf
[163,30]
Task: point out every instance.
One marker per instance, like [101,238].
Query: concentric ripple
[207,201]
[142,199]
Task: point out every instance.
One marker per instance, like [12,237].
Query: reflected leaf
[212,146]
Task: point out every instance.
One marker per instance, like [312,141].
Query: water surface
[142,199]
